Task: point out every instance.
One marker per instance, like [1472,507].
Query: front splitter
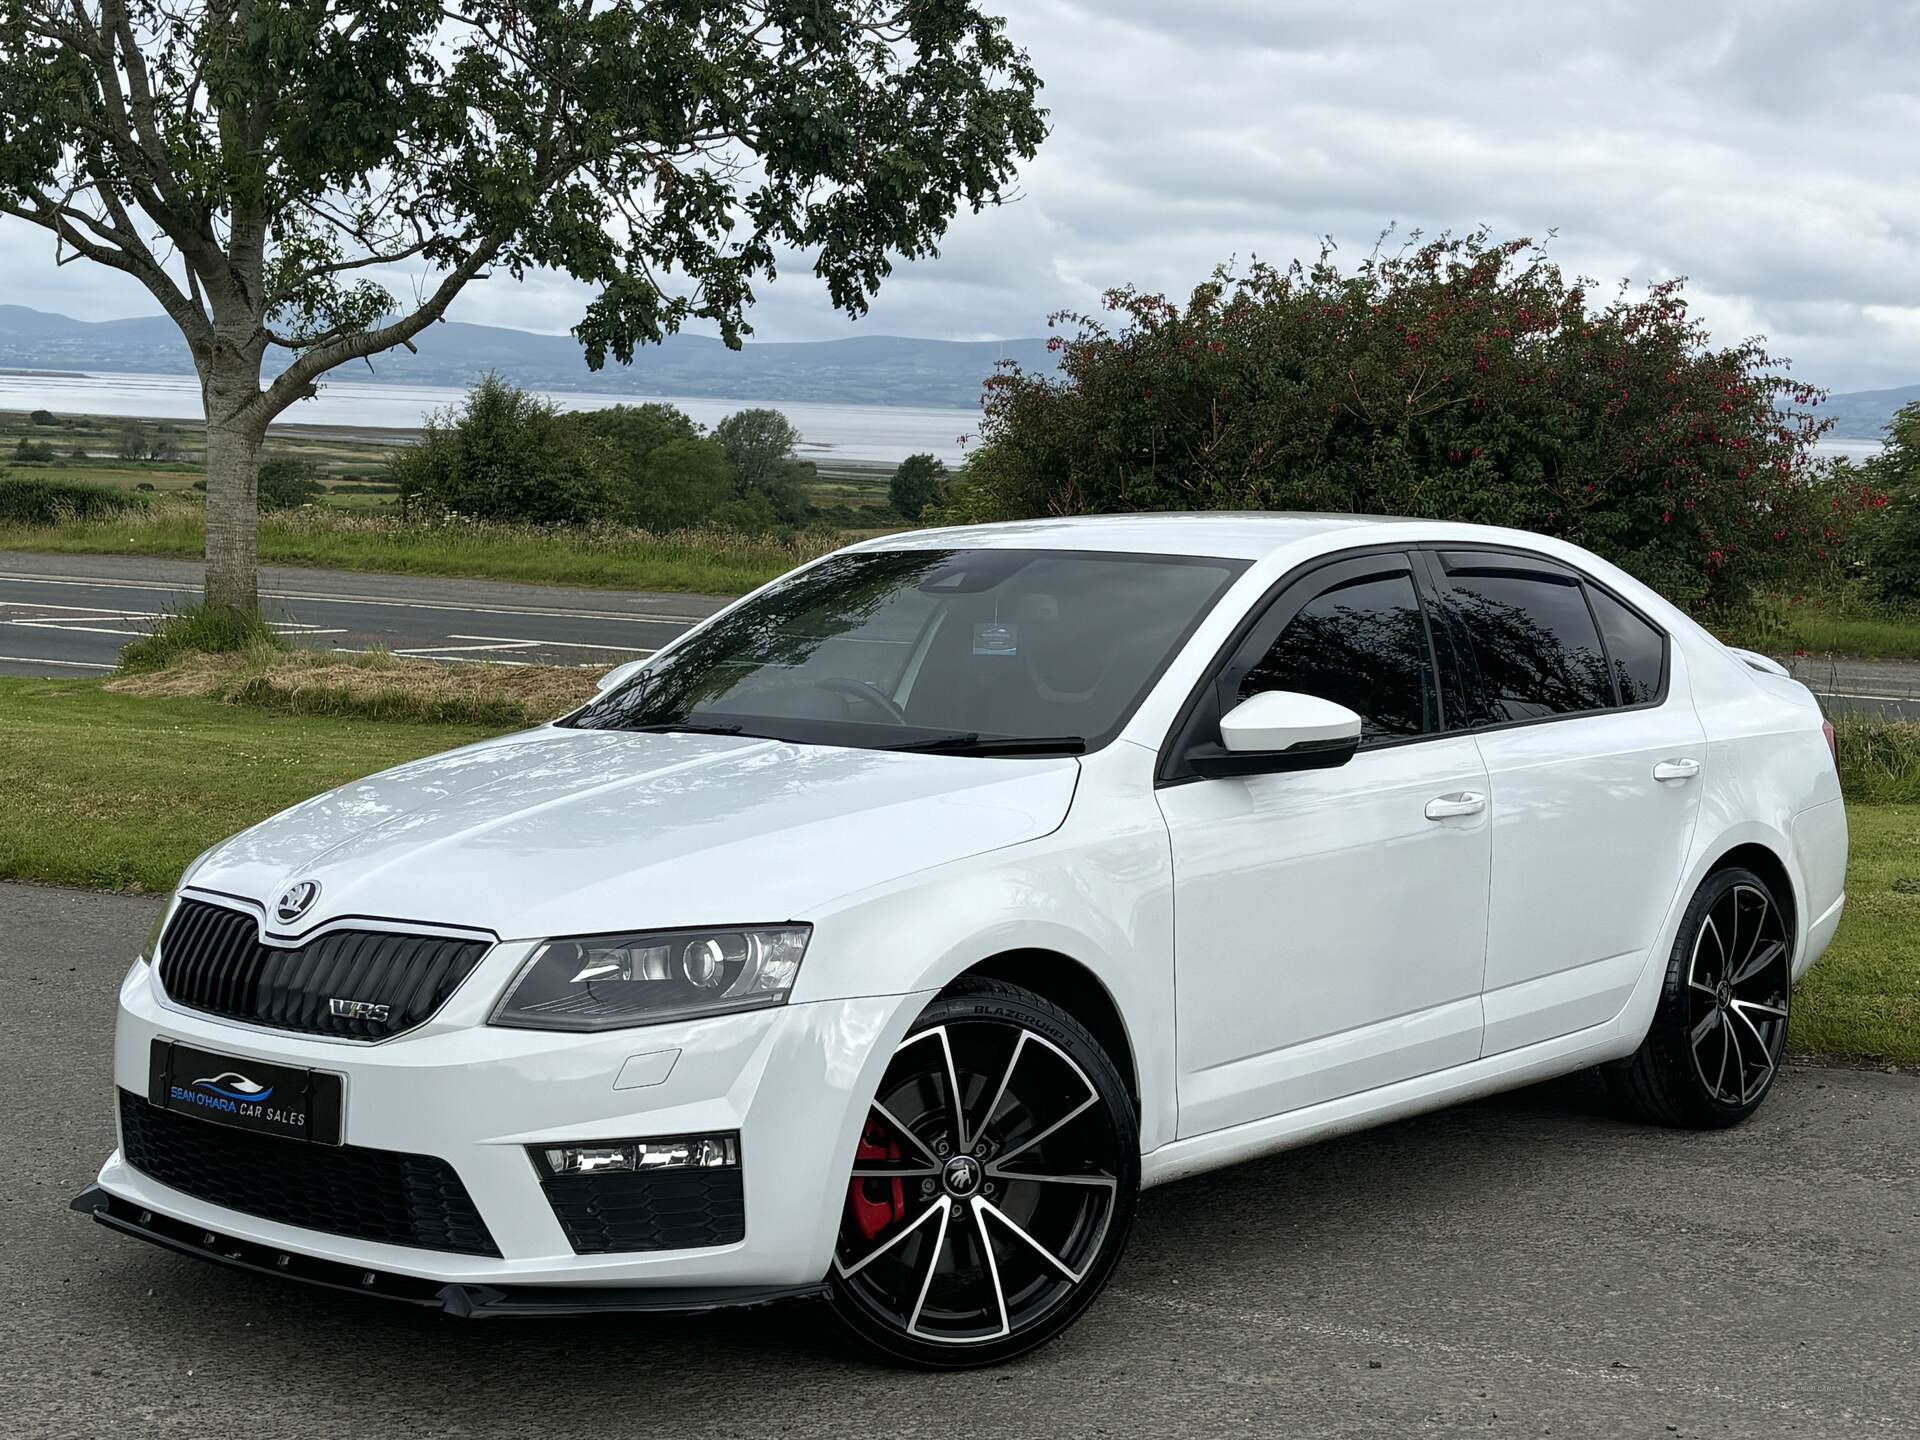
[469,1302]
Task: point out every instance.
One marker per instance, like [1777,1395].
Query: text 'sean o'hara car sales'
[882,936]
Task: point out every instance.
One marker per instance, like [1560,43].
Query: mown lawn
[119,792]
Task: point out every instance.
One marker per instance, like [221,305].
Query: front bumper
[793,1081]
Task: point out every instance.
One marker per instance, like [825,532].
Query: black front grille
[380,1195]
[211,959]
[614,1211]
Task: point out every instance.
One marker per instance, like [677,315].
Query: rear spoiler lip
[1754,660]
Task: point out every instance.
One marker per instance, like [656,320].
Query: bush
[1458,379]
[916,484]
[48,502]
[33,452]
[212,630]
[505,455]
[682,484]
[1893,550]
[43,417]
[286,483]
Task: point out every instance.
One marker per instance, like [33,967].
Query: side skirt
[1506,1071]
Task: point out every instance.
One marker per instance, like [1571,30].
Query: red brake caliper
[875,1203]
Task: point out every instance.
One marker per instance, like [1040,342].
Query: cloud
[1763,149]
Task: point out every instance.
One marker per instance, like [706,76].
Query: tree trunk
[234,436]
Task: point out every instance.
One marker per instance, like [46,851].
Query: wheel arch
[1076,989]
[1771,867]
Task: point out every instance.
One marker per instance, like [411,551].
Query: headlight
[607,982]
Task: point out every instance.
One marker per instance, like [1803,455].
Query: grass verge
[119,793]
[1863,1000]
[704,562]
[367,687]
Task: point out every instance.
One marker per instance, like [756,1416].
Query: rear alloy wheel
[993,1186]
[1717,1038]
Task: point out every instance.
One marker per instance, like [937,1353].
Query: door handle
[1676,770]
[1461,802]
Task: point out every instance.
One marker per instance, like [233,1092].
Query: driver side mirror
[1279,730]
[619,675]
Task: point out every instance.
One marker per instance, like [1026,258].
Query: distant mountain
[871,370]
[1863,414]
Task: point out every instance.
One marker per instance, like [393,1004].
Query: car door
[1592,756]
[1329,925]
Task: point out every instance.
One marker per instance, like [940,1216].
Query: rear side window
[1637,649]
[1364,645]
[1534,643]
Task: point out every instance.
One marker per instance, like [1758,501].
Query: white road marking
[563,644]
[553,612]
[43,660]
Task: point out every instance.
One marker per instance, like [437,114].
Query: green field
[120,792]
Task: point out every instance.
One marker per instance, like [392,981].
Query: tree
[130,440]
[634,433]
[916,484]
[256,164]
[43,417]
[505,455]
[683,483]
[1456,379]
[761,444]
[1892,480]
[288,482]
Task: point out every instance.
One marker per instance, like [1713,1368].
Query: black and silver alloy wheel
[1721,1027]
[993,1186]
[1737,986]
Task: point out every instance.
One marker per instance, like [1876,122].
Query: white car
[881,937]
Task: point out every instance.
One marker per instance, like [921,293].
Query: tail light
[1833,745]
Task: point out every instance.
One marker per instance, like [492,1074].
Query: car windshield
[993,651]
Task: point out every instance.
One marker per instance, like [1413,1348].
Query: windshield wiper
[680,727]
[972,743]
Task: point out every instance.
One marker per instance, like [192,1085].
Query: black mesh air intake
[381,1195]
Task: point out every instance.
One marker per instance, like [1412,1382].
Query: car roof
[1236,535]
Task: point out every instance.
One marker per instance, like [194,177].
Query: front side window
[1362,644]
[1534,645]
[930,649]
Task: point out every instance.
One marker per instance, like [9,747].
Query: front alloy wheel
[993,1186]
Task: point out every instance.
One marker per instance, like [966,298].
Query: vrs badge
[358,1010]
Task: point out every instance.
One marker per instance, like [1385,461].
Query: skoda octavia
[882,936]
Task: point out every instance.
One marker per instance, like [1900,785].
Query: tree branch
[296,382]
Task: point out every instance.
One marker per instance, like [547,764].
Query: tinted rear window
[1534,644]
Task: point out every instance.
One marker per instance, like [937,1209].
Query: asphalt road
[1523,1267]
[70,614]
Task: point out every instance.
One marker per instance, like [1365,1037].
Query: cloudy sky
[1768,151]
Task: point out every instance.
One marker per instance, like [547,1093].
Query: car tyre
[975,1233]
[1720,1030]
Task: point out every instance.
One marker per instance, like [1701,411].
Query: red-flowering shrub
[1457,379]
